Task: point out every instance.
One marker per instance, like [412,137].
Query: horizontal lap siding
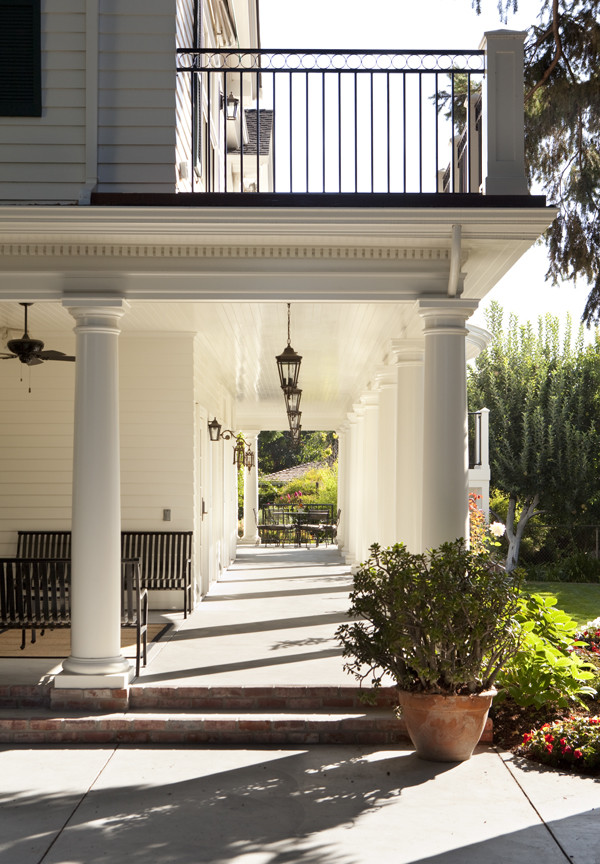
[157,431]
[36,444]
[43,158]
[136,111]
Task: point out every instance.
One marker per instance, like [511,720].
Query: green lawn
[580,600]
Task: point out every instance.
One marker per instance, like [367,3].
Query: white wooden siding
[36,444]
[43,158]
[137,82]
[157,431]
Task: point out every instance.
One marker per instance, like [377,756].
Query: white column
[342,483]
[370,460]
[386,379]
[503,161]
[445,444]
[96,659]
[358,485]
[408,357]
[351,492]
[251,537]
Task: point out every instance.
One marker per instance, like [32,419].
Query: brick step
[277,698]
[40,726]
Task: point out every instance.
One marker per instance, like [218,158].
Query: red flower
[549,737]
[578,754]
[527,737]
[549,748]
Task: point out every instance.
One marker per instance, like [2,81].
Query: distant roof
[265,122]
[294,473]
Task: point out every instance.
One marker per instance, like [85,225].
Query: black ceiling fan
[31,351]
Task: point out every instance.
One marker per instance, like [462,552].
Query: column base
[111,681]
[249,541]
[101,669]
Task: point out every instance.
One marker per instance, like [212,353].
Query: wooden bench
[35,594]
[165,556]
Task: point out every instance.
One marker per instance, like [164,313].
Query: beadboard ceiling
[341,344]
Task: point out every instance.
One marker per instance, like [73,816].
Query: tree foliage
[542,392]
[562,139]
[276,451]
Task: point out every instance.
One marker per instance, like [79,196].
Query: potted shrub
[440,625]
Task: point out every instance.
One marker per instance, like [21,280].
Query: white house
[160,239]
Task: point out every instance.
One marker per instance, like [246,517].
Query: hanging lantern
[292,399]
[288,363]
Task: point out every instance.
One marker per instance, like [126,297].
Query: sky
[428,24]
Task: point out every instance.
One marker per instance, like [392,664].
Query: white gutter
[454,261]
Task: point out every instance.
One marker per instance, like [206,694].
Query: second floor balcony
[353,122]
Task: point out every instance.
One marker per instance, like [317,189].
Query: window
[20,59]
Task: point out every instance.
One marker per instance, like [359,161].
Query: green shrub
[545,670]
[579,568]
[440,622]
[573,743]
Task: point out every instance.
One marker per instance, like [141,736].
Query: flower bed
[572,743]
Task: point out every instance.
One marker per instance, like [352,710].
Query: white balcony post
[408,357]
[387,447]
[251,537]
[96,659]
[445,438]
[503,162]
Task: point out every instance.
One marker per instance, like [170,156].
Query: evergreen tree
[562,137]
[543,395]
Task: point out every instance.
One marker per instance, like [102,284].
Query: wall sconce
[231,104]
[242,454]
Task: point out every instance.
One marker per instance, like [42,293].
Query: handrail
[339,121]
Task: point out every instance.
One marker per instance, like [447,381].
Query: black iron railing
[334,121]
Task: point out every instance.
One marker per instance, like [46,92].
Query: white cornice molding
[162,251]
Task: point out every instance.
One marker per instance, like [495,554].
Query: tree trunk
[515,533]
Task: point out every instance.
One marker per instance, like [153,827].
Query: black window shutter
[20,59]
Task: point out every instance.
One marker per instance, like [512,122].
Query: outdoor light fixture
[288,364]
[292,399]
[294,420]
[231,104]
[295,435]
[242,454]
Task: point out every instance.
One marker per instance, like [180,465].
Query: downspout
[455,253]
[91,102]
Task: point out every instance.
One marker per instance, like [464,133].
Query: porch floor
[269,621]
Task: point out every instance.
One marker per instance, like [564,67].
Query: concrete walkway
[271,620]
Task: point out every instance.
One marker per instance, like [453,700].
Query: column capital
[369,400]
[385,377]
[446,314]
[96,311]
[407,352]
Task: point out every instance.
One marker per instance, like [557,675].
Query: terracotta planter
[445,728]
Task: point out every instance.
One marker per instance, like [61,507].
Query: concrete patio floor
[271,620]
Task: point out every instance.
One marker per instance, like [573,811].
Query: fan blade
[33,362]
[54,355]
[8,356]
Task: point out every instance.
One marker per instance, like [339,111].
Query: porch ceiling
[353,277]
